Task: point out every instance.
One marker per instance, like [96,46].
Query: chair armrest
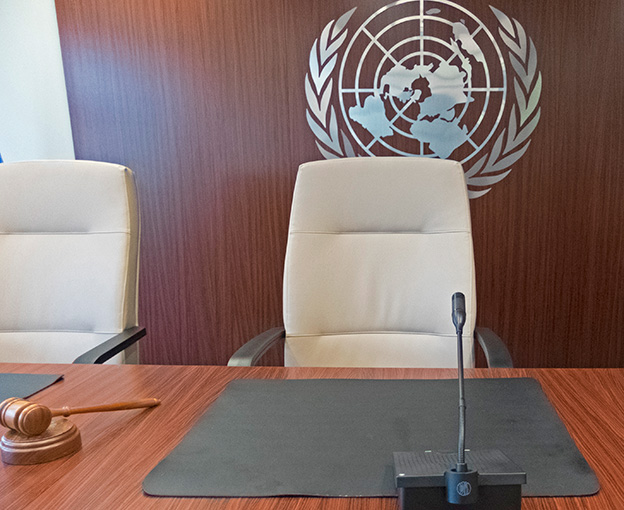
[106,350]
[249,354]
[495,350]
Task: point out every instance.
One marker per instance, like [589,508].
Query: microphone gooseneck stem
[462,483]
[461,458]
[459,319]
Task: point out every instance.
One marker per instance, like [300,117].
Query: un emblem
[426,78]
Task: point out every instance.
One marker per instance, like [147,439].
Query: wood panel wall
[205,101]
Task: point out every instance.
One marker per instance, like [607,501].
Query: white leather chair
[376,248]
[69,246]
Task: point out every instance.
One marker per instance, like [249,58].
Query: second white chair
[376,248]
[69,247]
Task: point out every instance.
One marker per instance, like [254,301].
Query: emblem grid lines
[510,144]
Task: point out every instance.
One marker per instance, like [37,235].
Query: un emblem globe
[414,81]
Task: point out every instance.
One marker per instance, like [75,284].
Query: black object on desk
[336,438]
[476,480]
[25,385]
[421,482]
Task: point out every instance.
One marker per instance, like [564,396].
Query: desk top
[120,449]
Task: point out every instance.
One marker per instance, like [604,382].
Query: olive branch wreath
[511,143]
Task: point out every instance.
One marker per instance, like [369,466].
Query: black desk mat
[336,437]
[24,385]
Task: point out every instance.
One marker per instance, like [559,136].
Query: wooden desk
[120,449]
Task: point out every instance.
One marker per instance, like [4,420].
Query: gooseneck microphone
[458,302]
[442,480]
[461,483]
[459,319]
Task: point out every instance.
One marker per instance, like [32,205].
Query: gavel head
[24,417]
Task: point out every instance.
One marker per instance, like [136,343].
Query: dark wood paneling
[205,101]
[549,239]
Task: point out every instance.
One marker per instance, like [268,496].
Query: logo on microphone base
[464,489]
[426,78]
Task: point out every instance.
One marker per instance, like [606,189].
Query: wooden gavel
[33,419]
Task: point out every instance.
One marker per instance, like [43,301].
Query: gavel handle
[119,406]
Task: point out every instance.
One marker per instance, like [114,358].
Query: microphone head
[458,310]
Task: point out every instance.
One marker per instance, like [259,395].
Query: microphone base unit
[422,480]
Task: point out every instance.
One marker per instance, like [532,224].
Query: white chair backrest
[69,242]
[376,249]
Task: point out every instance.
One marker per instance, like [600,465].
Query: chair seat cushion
[377,350]
[48,347]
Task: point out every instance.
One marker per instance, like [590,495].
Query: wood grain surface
[205,101]
[120,449]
